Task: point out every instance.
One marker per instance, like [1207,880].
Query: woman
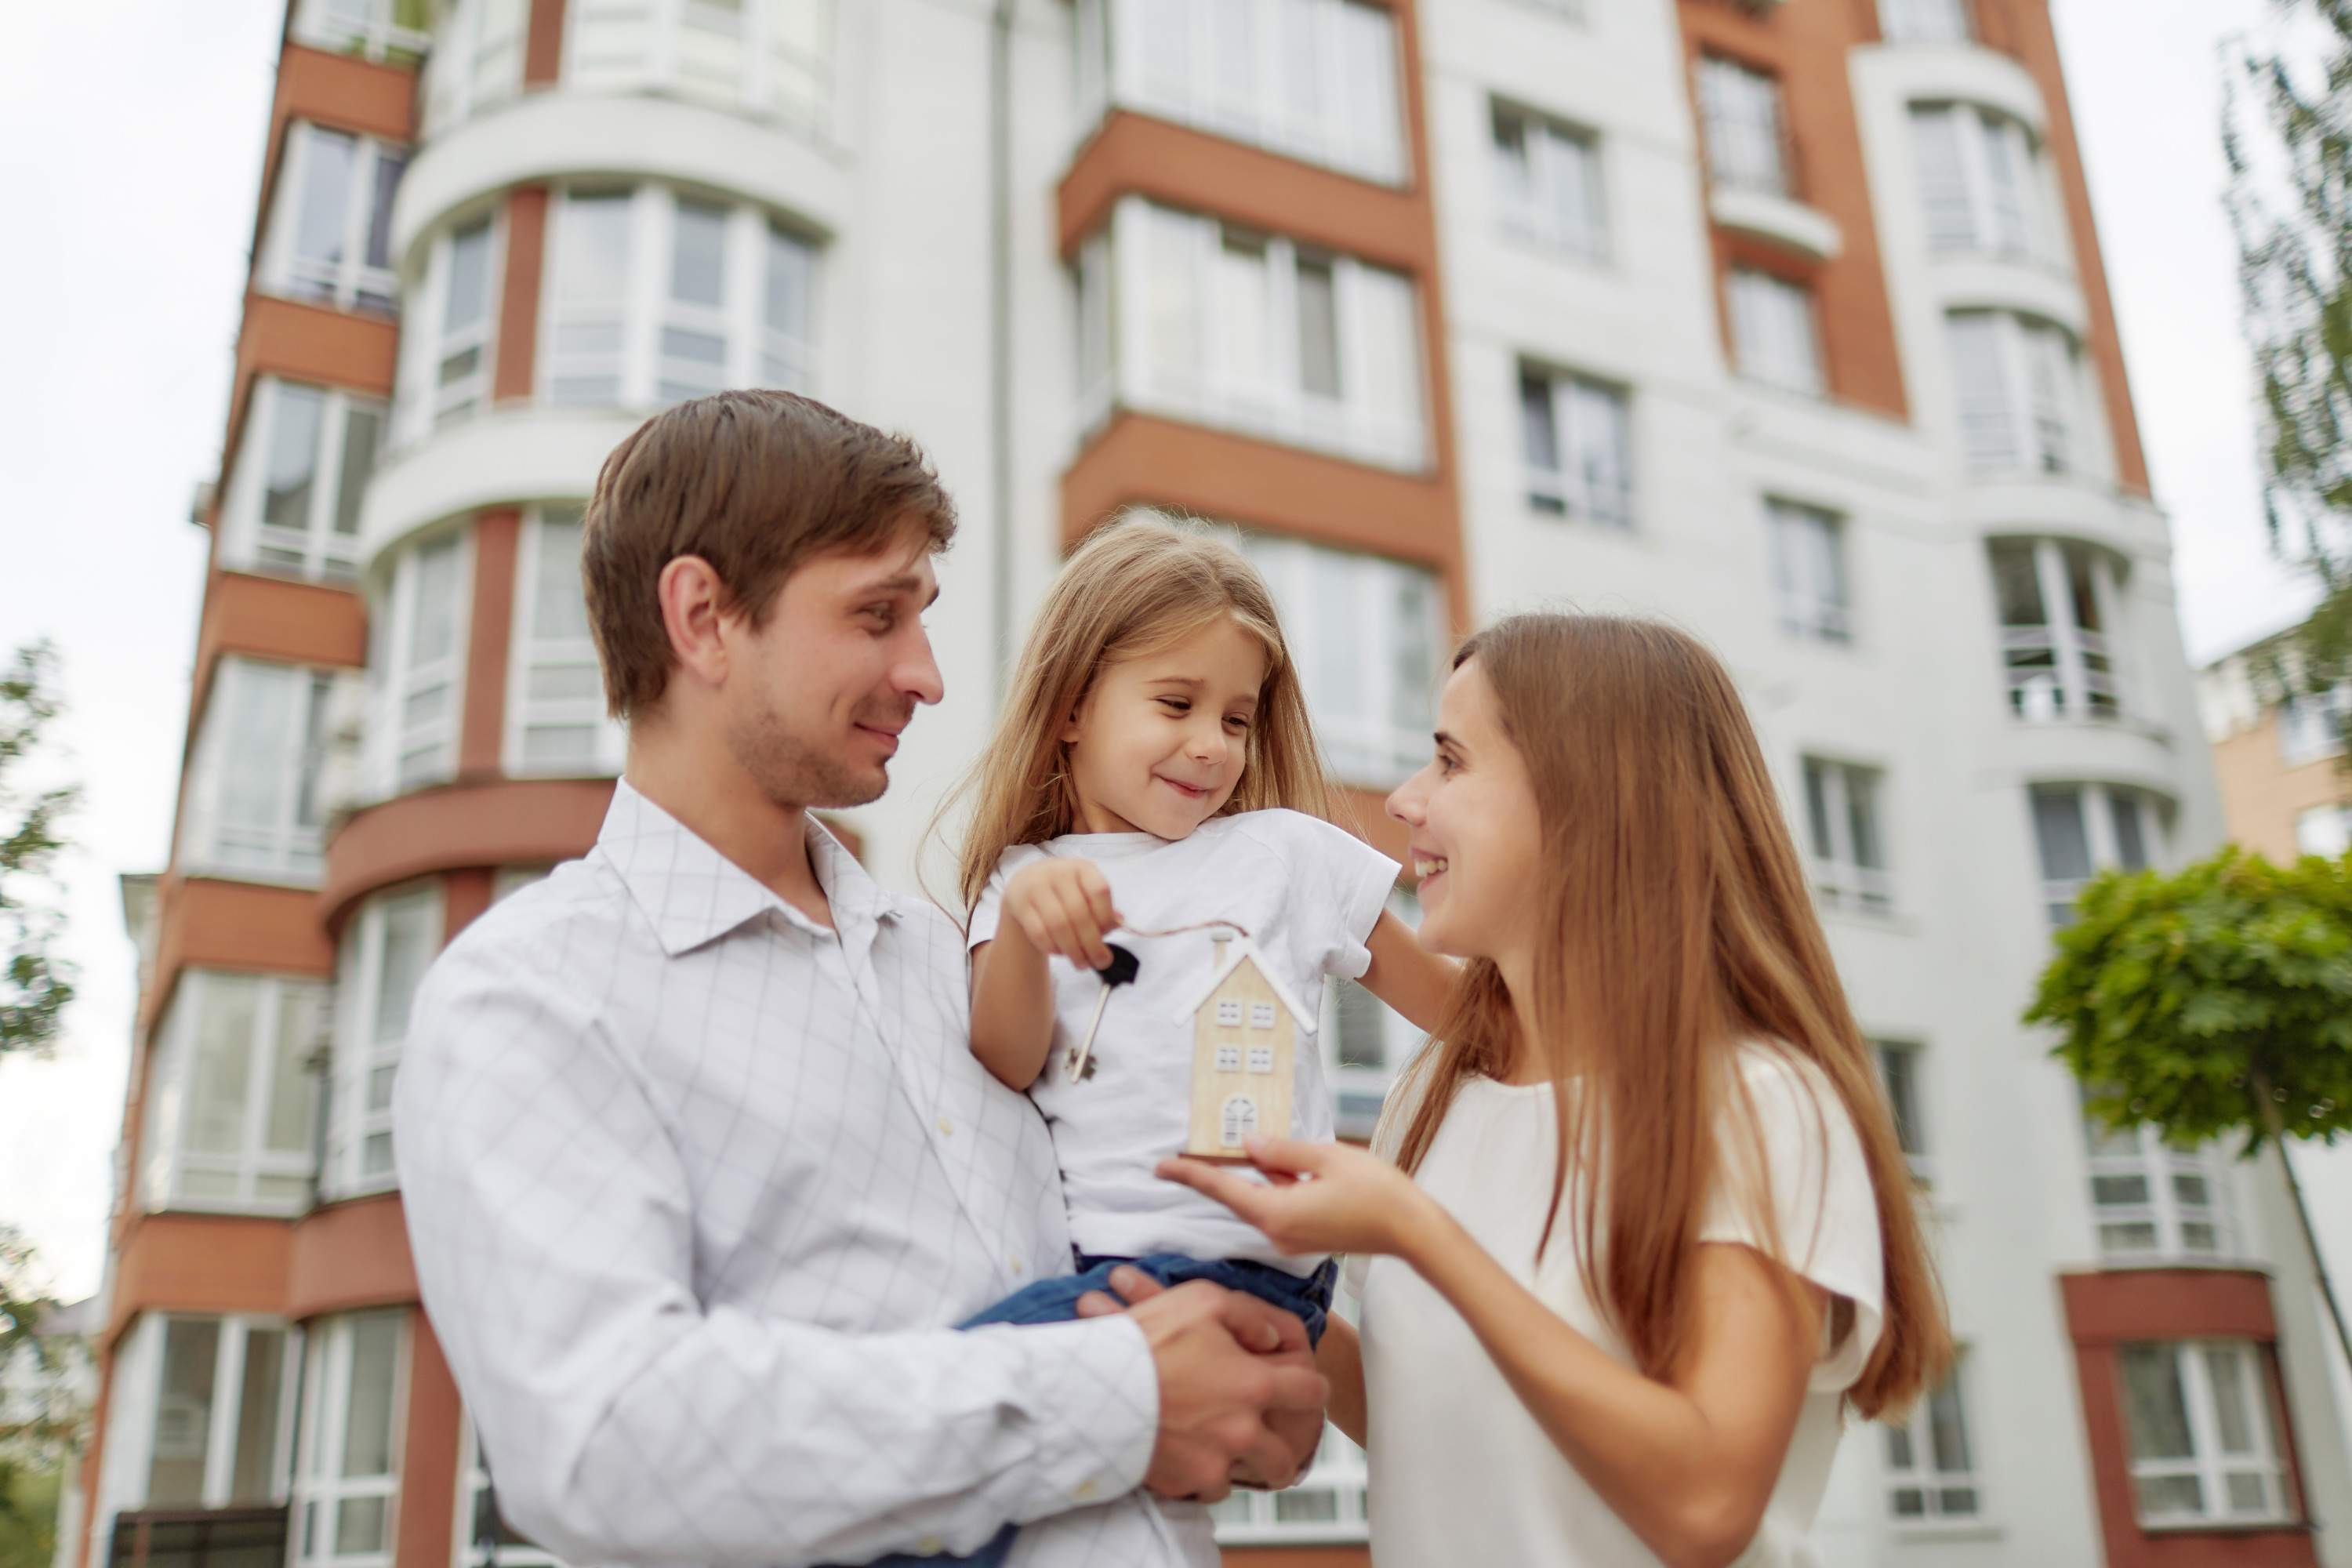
[1647,1232]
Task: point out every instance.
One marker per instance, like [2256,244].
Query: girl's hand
[1322,1197]
[1064,907]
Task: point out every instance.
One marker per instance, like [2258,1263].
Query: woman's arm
[1340,1359]
[1688,1461]
[1414,982]
[1050,906]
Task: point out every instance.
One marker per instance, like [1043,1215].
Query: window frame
[2060,670]
[1913,30]
[173,1065]
[2310,726]
[527,652]
[393,684]
[1906,1103]
[475,62]
[1971,189]
[291,850]
[1932,1481]
[1841,881]
[383,37]
[1339,1473]
[2096,803]
[2025,429]
[1544,143]
[1804,613]
[430,397]
[783,73]
[1740,152]
[133,1412]
[1550,490]
[352,282]
[322,550]
[363,1053]
[2164,1210]
[1359,1089]
[329,1347]
[2209,1465]
[1749,294]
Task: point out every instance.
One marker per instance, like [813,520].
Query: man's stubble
[793,773]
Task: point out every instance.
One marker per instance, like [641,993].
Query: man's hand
[1240,1400]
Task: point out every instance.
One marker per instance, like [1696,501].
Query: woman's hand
[1321,1197]
[1063,907]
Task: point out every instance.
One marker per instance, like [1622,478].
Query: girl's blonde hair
[1135,586]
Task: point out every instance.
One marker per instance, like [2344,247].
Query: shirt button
[1013,1259]
[1086,1489]
[930,1546]
[947,1127]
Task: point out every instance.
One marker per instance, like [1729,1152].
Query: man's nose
[917,672]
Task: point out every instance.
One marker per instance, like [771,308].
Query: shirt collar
[692,894]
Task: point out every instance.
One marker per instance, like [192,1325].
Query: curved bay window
[1980,181]
[2020,401]
[386,949]
[771,58]
[556,722]
[449,340]
[197,1416]
[657,296]
[2060,603]
[347,1473]
[417,660]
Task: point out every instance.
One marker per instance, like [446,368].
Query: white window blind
[416,668]
[555,705]
[1849,850]
[1773,334]
[198,1408]
[302,468]
[1314,79]
[1248,331]
[230,1097]
[2019,393]
[1808,575]
[2061,642]
[347,1475]
[659,298]
[1547,181]
[1930,1471]
[769,59]
[331,237]
[1747,138]
[1980,183]
[1924,21]
[386,949]
[255,808]
[1578,444]
[2081,830]
[2202,1432]
[398,32]
[1364,632]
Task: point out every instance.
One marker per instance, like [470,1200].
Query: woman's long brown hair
[1134,586]
[1676,927]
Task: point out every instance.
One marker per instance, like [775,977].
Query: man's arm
[552,1226]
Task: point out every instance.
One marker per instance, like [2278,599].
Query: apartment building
[2284,788]
[1786,321]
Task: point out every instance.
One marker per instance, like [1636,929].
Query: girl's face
[1159,744]
[1476,836]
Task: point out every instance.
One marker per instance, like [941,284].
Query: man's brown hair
[753,482]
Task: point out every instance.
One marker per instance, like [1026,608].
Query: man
[699,1165]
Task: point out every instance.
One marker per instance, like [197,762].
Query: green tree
[35,1431]
[2213,1001]
[35,986]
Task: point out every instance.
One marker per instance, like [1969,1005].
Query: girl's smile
[1158,745]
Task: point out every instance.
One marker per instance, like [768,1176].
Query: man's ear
[694,604]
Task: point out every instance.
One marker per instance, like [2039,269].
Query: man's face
[817,698]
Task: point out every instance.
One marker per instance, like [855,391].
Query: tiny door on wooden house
[1245,1037]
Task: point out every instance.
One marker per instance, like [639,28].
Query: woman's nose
[1408,803]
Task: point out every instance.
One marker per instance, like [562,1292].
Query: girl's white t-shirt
[1460,1471]
[1306,892]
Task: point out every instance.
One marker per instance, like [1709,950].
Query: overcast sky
[131,136]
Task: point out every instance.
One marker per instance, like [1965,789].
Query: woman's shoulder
[1785,1086]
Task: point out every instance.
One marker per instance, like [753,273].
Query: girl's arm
[1687,1461]
[1414,980]
[1340,1359]
[1050,906]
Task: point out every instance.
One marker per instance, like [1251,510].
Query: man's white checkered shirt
[695,1188]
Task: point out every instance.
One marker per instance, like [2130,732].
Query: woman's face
[1476,839]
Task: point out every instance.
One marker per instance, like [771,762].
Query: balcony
[199,1538]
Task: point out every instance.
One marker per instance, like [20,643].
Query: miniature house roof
[1242,951]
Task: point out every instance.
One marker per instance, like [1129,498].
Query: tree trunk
[2262,1097]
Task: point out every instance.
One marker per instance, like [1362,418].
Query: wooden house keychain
[1245,1034]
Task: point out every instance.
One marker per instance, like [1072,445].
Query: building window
[2061,665]
[1235,328]
[2203,1432]
[769,59]
[1548,183]
[1774,339]
[2311,727]
[197,1414]
[1327,1505]
[477,60]
[2324,830]
[659,298]
[1979,180]
[2019,400]
[416,668]
[2083,829]
[385,954]
[254,808]
[1579,437]
[1898,1075]
[1314,79]
[450,337]
[231,1096]
[1364,632]
[1930,1468]
[556,721]
[293,501]
[330,238]
[485,1538]
[1367,1042]
[1808,576]
[1747,135]
[347,1476]
[1842,809]
[1924,21]
[398,32]
[2152,1199]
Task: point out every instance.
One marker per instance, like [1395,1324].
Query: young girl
[1647,1233]
[1154,776]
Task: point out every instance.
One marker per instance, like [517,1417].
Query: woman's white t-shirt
[1460,1471]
